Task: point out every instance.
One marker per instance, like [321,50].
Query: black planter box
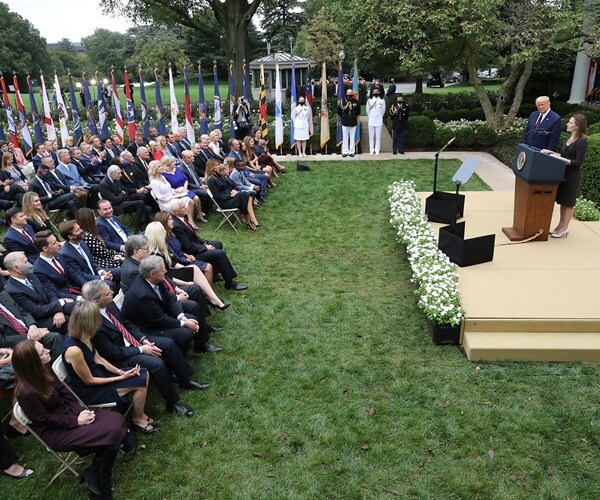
[463,252]
[443,207]
[444,334]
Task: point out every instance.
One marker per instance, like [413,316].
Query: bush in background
[590,173]
[420,132]
[586,210]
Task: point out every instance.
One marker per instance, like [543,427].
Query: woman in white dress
[164,193]
[303,125]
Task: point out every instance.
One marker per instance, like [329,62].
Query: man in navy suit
[123,344]
[26,289]
[544,126]
[78,258]
[51,269]
[20,235]
[52,194]
[149,305]
[110,228]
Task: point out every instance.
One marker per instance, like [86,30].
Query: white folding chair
[119,298]
[227,213]
[67,459]
[60,370]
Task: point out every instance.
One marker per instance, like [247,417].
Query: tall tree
[107,48]
[234,16]
[22,49]
[320,39]
[519,31]
[280,21]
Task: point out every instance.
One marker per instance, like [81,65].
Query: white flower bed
[517,126]
[433,273]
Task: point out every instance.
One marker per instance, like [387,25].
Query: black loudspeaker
[463,252]
[444,207]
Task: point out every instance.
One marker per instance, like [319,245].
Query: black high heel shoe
[220,308]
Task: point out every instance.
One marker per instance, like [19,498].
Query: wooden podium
[537,178]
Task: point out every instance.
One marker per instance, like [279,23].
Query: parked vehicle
[435,80]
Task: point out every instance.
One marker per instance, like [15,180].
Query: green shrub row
[590,174]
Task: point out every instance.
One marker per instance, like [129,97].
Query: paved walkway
[491,171]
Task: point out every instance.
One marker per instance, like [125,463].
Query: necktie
[16,324]
[58,267]
[539,121]
[192,174]
[26,234]
[157,291]
[82,253]
[126,334]
[29,285]
[46,187]
[117,228]
[169,286]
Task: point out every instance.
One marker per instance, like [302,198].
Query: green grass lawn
[330,387]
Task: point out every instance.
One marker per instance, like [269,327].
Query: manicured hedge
[590,174]
[420,132]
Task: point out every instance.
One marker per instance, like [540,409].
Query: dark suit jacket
[4,174]
[130,270]
[109,235]
[85,170]
[5,327]
[135,176]
[52,281]
[14,241]
[39,302]
[190,241]
[77,267]
[113,191]
[192,184]
[109,340]
[547,135]
[143,307]
[37,188]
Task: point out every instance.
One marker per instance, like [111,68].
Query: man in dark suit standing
[208,251]
[16,325]
[544,126]
[51,269]
[149,305]
[110,228]
[123,344]
[111,189]
[27,290]
[20,235]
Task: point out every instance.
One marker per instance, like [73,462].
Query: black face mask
[301,103]
[375,95]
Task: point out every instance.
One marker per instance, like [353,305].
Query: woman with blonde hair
[37,217]
[155,154]
[161,148]
[179,182]
[215,145]
[93,378]
[164,193]
[179,273]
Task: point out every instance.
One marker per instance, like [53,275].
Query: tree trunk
[419,85]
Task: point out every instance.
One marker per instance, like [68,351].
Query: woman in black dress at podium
[573,153]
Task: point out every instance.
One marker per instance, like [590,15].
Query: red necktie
[169,286]
[58,267]
[26,234]
[126,335]
[16,325]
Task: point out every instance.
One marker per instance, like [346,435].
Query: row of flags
[101,128]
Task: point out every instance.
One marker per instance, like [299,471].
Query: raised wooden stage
[537,301]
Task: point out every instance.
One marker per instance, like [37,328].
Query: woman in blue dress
[178,181]
[93,378]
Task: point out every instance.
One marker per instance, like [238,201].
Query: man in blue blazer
[20,235]
[544,126]
[26,289]
[78,258]
[110,228]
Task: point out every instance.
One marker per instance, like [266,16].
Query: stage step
[532,345]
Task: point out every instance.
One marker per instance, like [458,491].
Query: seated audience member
[98,152]
[19,156]
[93,378]
[62,423]
[182,139]
[37,218]
[172,146]
[51,269]
[215,145]
[78,258]
[262,151]
[107,146]
[123,344]
[178,181]
[117,145]
[255,177]
[104,257]
[190,297]
[136,143]
[252,164]
[153,151]
[204,250]
[69,170]
[195,183]
[40,152]
[110,228]
[9,464]
[175,250]
[240,182]
[13,184]
[111,189]
[63,182]
[89,166]
[20,235]
[182,275]
[17,325]
[161,149]
[154,309]
[164,193]
[28,292]
[226,196]
[207,151]
[223,144]
[52,195]
[199,160]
